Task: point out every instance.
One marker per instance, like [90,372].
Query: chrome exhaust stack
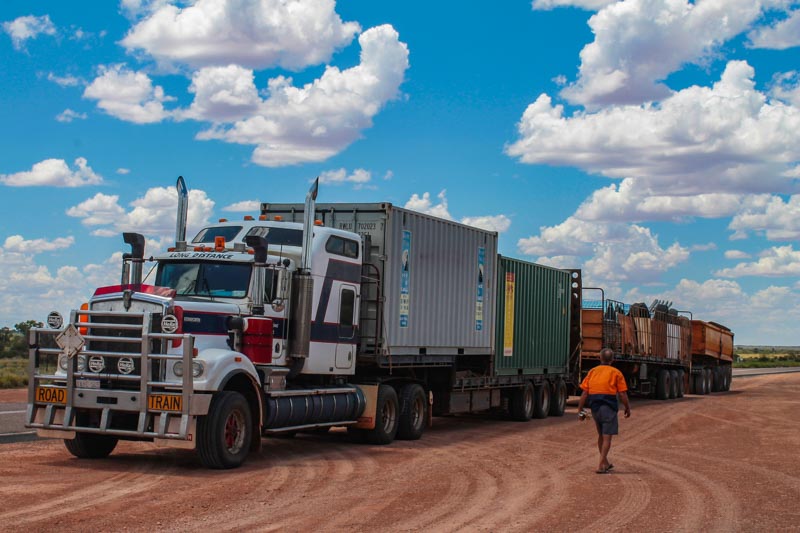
[133,262]
[183,210]
[303,289]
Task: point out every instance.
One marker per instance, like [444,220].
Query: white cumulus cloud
[727,137]
[18,244]
[609,252]
[29,27]
[68,115]
[638,43]
[359,177]
[153,215]
[54,173]
[777,218]
[424,204]
[780,35]
[296,125]
[256,34]
[779,261]
[245,206]
[128,95]
[736,254]
[592,5]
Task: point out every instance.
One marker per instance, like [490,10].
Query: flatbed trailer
[651,346]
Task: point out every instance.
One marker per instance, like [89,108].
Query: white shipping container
[435,292]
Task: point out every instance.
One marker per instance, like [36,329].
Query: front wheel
[223,435]
[91,445]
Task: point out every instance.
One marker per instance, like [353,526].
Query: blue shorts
[606,419]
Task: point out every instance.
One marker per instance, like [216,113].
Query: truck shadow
[336,446]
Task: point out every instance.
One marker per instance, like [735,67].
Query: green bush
[13,373]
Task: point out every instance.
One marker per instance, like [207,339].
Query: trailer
[651,345]
[712,357]
[312,316]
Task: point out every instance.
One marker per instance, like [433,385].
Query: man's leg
[605,446]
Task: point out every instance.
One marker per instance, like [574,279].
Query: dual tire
[402,416]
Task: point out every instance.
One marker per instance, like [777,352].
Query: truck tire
[663,384]
[681,383]
[558,402]
[673,384]
[728,377]
[413,412]
[542,396]
[223,435]
[91,445]
[700,382]
[709,381]
[719,379]
[386,417]
[520,405]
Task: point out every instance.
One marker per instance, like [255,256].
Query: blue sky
[652,143]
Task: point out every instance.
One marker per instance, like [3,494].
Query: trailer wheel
[223,435]
[681,383]
[663,384]
[719,379]
[520,405]
[387,411]
[558,403]
[673,384]
[413,412]
[700,382]
[542,405]
[709,381]
[728,377]
[91,445]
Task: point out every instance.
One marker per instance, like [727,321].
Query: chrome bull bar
[60,404]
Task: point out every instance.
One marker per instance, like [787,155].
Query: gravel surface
[724,462]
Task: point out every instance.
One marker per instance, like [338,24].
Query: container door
[346,345]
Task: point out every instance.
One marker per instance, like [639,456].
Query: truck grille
[121,361]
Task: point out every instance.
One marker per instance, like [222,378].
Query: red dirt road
[725,462]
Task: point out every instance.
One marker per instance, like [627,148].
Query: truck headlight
[197,369]
[63,362]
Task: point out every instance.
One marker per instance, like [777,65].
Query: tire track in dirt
[81,497]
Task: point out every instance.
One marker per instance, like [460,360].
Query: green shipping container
[533,319]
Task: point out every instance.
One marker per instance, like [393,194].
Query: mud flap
[367,418]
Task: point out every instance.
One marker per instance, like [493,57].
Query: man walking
[601,387]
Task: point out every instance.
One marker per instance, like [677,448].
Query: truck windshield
[195,278]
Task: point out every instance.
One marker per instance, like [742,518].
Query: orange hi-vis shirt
[604,379]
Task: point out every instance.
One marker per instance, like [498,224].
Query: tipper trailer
[367,316]
[712,357]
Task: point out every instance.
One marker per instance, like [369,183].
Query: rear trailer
[712,357]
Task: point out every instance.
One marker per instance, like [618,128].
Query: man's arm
[582,401]
[624,397]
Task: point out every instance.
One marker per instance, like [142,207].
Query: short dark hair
[606,355]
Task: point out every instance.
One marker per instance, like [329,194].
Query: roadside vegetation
[766,357]
[14,354]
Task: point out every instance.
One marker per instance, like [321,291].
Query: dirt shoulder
[724,462]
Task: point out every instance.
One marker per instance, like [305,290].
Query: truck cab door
[347,324]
